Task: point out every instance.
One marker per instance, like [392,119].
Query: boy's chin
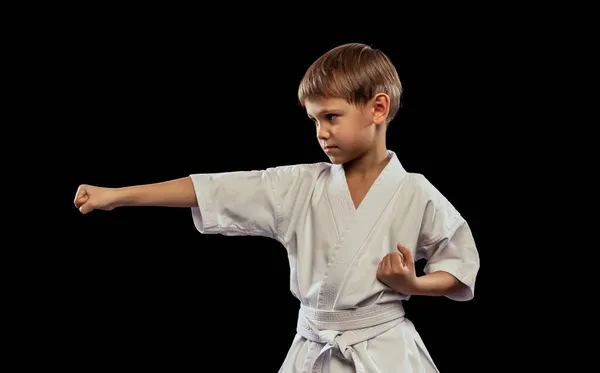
[336,160]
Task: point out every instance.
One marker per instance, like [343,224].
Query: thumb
[408,259]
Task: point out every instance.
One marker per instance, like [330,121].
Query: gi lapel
[356,226]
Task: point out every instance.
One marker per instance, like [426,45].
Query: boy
[352,228]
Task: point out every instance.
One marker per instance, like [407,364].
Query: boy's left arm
[397,271]
[447,243]
[452,252]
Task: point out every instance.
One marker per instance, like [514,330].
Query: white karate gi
[349,321]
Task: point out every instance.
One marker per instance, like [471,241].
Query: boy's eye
[330,116]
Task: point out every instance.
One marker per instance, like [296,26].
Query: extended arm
[173,193]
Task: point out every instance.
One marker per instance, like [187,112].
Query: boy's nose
[322,134]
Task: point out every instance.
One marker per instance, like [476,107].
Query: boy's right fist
[89,198]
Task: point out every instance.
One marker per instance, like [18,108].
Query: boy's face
[344,131]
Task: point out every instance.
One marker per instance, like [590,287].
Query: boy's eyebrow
[321,112]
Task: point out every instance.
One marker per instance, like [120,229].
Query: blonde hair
[355,72]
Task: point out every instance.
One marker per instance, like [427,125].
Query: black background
[140,288]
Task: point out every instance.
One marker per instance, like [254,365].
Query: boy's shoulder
[301,169]
[419,181]
[300,173]
[424,189]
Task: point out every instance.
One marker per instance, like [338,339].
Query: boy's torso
[334,245]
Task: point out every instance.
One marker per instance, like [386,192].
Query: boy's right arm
[249,203]
[173,193]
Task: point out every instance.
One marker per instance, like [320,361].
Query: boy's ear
[381,108]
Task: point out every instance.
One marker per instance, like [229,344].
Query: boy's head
[352,92]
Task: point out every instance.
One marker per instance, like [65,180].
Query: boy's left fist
[397,270]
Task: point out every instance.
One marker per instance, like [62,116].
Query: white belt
[341,330]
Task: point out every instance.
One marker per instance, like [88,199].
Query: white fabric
[334,249]
[343,330]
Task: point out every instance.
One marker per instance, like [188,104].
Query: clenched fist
[89,198]
[397,270]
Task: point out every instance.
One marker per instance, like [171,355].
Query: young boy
[352,228]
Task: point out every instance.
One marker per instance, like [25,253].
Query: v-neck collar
[340,199]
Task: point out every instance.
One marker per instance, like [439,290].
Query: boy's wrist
[418,286]
[118,197]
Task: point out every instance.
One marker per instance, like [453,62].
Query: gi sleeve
[246,203]
[448,244]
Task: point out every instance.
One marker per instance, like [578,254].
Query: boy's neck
[369,165]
